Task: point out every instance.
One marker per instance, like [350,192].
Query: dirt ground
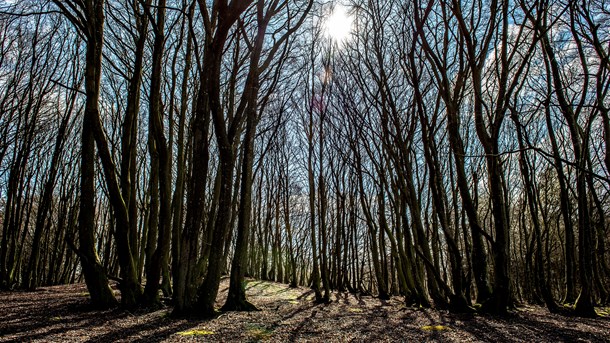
[60,314]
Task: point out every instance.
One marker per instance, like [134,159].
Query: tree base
[459,304]
[239,306]
[584,306]
[152,304]
[131,295]
[318,296]
[584,309]
[383,296]
[413,300]
[322,300]
[496,306]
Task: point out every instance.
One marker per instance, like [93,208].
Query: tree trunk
[102,296]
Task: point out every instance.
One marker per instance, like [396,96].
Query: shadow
[360,300]
[305,295]
[56,315]
[299,329]
[252,284]
[58,320]
[299,310]
[169,327]
[31,316]
[342,298]
[519,328]
[165,333]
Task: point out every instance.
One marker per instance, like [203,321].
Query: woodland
[444,155]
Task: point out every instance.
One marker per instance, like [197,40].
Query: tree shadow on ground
[520,328]
[157,330]
[65,316]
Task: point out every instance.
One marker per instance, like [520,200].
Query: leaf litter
[61,314]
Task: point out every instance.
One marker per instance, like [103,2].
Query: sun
[338,25]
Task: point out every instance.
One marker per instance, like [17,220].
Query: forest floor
[60,314]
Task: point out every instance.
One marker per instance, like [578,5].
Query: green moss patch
[603,311]
[434,328]
[259,332]
[195,333]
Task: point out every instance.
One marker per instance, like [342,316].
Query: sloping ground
[60,314]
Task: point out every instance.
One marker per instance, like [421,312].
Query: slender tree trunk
[95,277]
[584,304]
[32,276]
[236,299]
[160,257]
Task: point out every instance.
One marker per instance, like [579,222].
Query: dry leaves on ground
[60,314]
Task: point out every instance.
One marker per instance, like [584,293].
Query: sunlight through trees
[449,153]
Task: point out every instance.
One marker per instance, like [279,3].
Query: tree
[88,18]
